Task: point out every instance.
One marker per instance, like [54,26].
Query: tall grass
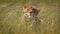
[11,12]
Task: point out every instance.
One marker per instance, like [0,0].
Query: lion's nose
[30,12]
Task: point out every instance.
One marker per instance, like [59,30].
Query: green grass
[11,12]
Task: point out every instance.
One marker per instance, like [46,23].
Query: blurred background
[11,12]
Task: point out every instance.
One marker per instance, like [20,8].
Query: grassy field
[11,12]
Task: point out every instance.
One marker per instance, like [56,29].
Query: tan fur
[30,14]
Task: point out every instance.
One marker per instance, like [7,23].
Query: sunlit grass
[11,12]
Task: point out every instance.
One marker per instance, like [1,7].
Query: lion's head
[31,11]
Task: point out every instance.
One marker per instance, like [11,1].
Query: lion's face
[31,11]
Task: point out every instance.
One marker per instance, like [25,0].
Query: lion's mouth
[30,15]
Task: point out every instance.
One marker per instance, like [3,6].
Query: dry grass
[11,13]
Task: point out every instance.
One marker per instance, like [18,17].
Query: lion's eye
[27,9]
[33,9]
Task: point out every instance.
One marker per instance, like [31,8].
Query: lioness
[30,14]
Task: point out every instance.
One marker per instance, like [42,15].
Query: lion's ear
[25,7]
